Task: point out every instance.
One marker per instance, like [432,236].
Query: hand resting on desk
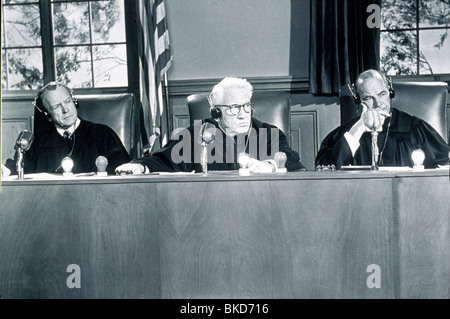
[256,166]
[131,168]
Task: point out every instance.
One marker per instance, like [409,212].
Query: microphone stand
[207,134]
[374,130]
[23,144]
[19,164]
[204,158]
[375,151]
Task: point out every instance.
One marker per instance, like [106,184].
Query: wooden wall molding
[270,83]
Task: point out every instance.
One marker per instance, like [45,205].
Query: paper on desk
[34,176]
[49,176]
[395,168]
[172,173]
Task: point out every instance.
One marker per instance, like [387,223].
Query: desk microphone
[23,144]
[24,141]
[208,134]
[373,123]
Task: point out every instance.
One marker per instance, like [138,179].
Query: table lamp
[418,156]
[67,165]
[244,160]
[101,162]
[280,158]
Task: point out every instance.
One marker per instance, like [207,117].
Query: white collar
[70,129]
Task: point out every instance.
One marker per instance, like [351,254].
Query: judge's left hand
[130,168]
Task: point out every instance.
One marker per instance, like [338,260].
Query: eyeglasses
[236,108]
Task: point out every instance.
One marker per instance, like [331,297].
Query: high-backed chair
[120,112]
[269,107]
[426,100]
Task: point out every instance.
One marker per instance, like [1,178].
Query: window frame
[445,77]
[48,56]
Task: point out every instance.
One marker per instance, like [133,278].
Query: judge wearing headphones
[399,133]
[235,131]
[64,134]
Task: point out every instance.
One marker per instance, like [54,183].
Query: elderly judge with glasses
[230,132]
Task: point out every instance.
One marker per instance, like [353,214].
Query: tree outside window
[86,43]
[414,37]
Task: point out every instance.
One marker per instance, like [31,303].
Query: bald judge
[399,132]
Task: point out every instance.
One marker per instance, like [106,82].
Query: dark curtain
[342,45]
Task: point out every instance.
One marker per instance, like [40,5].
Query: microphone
[373,124]
[23,144]
[24,141]
[207,135]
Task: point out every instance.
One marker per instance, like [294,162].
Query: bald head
[370,75]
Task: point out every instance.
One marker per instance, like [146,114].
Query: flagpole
[166,101]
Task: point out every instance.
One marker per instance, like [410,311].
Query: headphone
[216,113]
[357,98]
[37,103]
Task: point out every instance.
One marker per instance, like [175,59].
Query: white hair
[229,83]
[370,74]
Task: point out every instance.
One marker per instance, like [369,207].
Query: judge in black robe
[88,141]
[235,131]
[402,134]
[183,152]
[85,141]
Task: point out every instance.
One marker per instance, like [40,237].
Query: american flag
[154,60]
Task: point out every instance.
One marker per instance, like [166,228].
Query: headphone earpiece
[390,87]
[74,99]
[216,113]
[354,93]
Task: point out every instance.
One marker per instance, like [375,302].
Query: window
[80,43]
[414,37]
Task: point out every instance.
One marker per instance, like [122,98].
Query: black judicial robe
[89,141]
[163,160]
[405,134]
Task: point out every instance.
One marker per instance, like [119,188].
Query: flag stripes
[154,60]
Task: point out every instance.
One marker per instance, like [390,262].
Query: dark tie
[67,136]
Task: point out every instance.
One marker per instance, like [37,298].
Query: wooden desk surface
[297,235]
[213,176]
